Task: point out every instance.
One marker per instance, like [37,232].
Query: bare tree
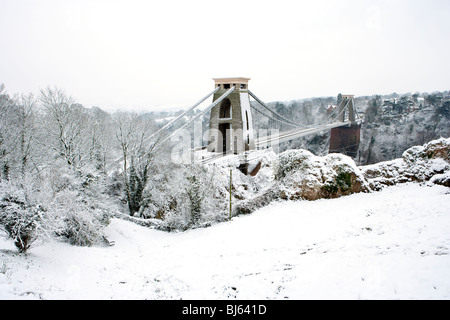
[64,121]
[100,139]
[134,135]
[26,105]
[8,132]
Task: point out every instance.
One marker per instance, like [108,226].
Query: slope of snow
[392,244]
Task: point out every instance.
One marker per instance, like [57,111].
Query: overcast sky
[151,55]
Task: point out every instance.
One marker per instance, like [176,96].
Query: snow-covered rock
[300,175]
[430,162]
[303,175]
[442,179]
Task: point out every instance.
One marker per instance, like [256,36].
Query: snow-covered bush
[18,218]
[114,186]
[76,204]
[248,206]
[76,220]
[291,160]
[185,197]
[195,197]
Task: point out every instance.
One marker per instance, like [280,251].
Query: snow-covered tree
[194,196]
[64,122]
[134,135]
[101,140]
[78,220]
[185,196]
[8,132]
[27,127]
[20,219]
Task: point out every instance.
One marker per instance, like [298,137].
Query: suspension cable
[343,109]
[273,112]
[216,102]
[184,113]
[282,122]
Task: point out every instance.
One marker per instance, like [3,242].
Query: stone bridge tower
[346,140]
[231,124]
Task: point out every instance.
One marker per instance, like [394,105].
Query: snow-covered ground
[392,244]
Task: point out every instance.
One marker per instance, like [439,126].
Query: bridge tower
[231,123]
[346,140]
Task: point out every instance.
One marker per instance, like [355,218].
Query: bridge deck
[296,133]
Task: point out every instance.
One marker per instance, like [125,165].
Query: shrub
[292,160]
[342,182]
[19,220]
[77,221]
[195,198]
[186,197]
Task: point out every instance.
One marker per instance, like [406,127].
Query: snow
[392,244]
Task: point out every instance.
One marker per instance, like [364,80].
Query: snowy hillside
[391,244]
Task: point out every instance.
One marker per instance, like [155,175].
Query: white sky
[156,55]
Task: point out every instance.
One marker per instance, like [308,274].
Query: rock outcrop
[303,175]
[300,175]
[430,162]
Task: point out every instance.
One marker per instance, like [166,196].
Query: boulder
[430,162]
[303,175]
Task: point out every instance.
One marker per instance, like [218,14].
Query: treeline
[395,123]
[65,170]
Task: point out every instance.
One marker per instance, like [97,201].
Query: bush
[195,198]
[292,160]
[186,197]
[343,182]
[77,221]
[19,219]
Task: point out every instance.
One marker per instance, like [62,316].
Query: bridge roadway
[268,141]
[265,141]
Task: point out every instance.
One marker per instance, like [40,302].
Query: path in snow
[392,244]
